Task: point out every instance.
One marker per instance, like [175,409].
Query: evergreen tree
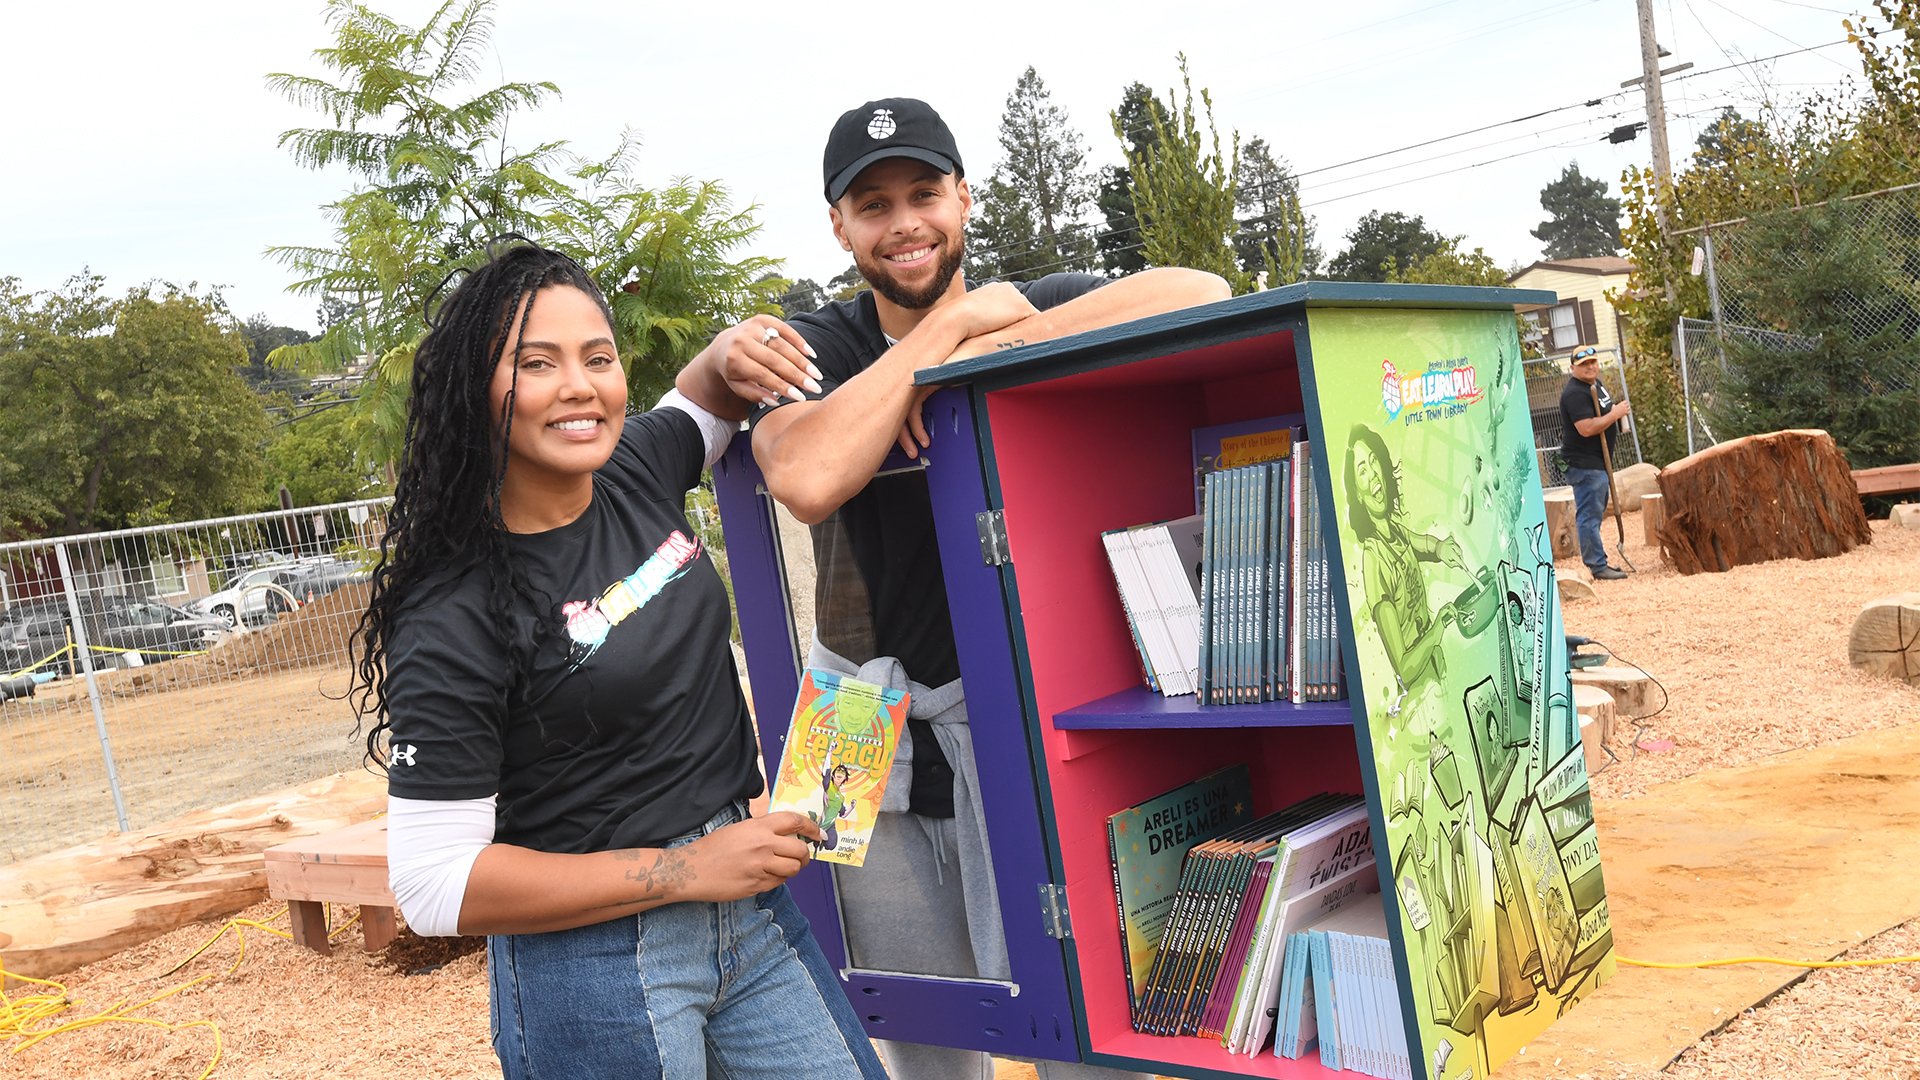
[846,285]
[1383,244]
[1274,235]
[1585,221]
[1183,191]
[801,297]
[1003,243]
[262,338]
[1037,197]
[1723,139]
[1119,240]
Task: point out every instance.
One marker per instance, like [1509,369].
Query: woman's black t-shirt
[631,728]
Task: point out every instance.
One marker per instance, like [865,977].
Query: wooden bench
[1887,479]
[345,866]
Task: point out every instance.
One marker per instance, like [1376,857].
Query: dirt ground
[260,711]
[1760,693]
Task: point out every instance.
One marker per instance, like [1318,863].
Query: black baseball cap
[887,128]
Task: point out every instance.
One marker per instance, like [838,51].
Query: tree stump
[1595,709]
[1784,494]
[1653,510]
[1561,527]
[1630,688]
[1886,638]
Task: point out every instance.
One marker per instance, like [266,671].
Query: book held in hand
[839,749]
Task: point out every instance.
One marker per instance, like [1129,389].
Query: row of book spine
[1216,973]
[1338,990]
[1234,604]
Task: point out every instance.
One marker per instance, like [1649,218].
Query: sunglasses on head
[1585,354]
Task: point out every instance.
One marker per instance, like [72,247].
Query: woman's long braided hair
[446,518]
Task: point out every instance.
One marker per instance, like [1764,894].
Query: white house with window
[1583,316]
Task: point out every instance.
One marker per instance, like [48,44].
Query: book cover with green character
[839,749]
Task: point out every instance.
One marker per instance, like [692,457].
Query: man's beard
[884,283]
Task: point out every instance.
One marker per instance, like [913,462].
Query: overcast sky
[141,139]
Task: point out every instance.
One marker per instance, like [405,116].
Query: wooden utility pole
[1656,112]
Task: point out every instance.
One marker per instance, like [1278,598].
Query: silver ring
[769,334]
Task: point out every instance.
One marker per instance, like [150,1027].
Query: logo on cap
[881,126]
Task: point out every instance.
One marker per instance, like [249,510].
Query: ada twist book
[839,749]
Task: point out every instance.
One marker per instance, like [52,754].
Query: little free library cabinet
[1458,726]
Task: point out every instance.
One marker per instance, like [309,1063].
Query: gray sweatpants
[905,911]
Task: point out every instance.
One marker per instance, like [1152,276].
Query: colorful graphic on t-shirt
[589,621]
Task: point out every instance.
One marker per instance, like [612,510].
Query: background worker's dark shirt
[1576,403]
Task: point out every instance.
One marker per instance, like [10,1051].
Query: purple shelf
[1139,708]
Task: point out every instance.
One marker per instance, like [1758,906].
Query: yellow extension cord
[20,1018]
[1770,960]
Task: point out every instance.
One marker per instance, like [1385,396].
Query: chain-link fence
[1546,378]
[1815,322]
[149,672]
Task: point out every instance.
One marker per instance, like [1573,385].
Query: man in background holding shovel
[1589,422]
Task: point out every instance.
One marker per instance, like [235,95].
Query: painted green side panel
[1461,658]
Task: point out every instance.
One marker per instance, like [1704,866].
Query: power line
[1294,177]
[1775,33]
[1813,7]
[1751,81]
[1373,62]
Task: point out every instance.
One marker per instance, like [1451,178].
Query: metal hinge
[1053,912]
[993,537]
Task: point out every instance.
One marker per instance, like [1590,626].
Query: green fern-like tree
[435,179]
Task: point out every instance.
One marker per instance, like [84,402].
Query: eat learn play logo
[1445,389]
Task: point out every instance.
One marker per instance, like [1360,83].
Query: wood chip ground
[1754,663]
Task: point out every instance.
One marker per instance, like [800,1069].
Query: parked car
[254,597]
[35,637]
[157,631]
[318,576]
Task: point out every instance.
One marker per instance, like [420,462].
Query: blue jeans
[1590,492]
[737,990]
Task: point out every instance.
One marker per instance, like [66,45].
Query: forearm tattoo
[669,869]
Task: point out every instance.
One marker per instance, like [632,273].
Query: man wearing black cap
[836,393]
[1588,414]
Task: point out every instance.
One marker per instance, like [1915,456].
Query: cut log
[1634,481]
[1561,527]
[72,907]
[1631,689]
[1886,638]
[1653,510]
[1593,703]
[1784,494]
[1906,515]
[1592,746]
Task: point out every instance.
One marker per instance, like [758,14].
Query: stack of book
[1158,570]
[1234,604]
[1339,990]
[1207,946]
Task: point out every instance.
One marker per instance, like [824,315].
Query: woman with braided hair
[569,756]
